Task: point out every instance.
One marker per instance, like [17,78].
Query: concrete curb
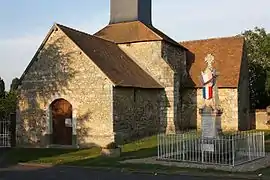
[184,173]
[36,165]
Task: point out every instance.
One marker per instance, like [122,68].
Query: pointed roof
[228,53]
[110,59]
[130,32]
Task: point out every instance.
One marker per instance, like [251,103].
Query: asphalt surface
[77,173]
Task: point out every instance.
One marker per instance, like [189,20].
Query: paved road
[2,153]
[70,173]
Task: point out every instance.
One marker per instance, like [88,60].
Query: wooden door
[62,132]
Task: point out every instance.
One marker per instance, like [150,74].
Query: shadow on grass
[81,157]
[93,159]
[102,161]
[22,155]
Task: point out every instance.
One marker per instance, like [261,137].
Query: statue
[209,79]
[211,111]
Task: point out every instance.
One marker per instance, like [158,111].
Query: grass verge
[91,158]
[139,149]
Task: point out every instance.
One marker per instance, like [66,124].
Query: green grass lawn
[146,147]
[91,157]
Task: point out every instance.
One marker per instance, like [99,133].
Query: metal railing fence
[5,133]
[227,149]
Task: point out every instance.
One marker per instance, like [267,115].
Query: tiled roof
[130,32]
[118,67]
[227,51]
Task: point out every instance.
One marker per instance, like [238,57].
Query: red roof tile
[227,51]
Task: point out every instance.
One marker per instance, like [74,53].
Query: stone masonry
[192,101]
[165,63]
[135,113]
[233,82]
[244,120]
[61,70]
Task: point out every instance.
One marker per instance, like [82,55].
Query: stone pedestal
[211,128]
[210,122]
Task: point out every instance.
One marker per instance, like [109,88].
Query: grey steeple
[131,10]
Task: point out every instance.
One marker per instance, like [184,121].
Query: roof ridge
[85,33]
[153,34]
[72,28]
[154,29]
[151,29]
[213,38]
[125,22]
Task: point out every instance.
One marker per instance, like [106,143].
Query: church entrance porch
[61,118]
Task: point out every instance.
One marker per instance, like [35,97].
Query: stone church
[127,81]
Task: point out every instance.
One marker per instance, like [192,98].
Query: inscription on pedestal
[208,131]
[208,126]
[208,147]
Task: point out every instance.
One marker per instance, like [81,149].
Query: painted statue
[210,90]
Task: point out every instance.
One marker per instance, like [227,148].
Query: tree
[258,53]
[2,88]
[8,100]
[14,84]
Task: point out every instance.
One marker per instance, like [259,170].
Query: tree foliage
[14,84]
[8,104]
[2,88]
[8,100]
[258,53]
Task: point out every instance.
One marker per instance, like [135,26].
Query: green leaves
[258,46]
[258,53]
[2,88]
[14,84]
[8,100]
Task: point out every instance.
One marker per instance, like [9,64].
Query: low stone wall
[260,118]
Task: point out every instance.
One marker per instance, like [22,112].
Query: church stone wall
[61,70]
[243,96]
[164,63]
[260,119]
[135,113]
[193,100]
[233,101]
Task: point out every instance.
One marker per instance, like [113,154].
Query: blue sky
[24,23]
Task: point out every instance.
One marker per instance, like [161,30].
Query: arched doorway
[61,111]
